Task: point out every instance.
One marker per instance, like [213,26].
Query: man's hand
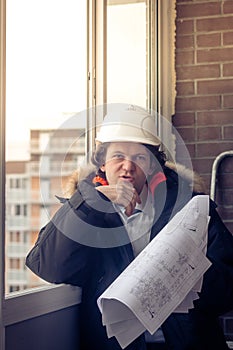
[123,193]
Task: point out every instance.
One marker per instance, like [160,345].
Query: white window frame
[31,303]
[2,163]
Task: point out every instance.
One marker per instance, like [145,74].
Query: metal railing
[215,167]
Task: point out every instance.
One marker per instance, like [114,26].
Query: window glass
[46,65]
[127,55]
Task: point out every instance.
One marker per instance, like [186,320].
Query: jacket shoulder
[176,172]
[87,172]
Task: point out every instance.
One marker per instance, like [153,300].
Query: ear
[102,168]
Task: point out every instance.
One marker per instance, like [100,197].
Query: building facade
[31,189]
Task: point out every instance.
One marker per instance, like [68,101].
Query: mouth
[127,178]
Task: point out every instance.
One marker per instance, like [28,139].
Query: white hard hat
[128,125]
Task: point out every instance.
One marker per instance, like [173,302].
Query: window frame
[2,162]
[21,306]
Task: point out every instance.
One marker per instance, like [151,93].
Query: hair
[98,157]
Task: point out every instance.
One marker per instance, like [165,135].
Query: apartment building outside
[31,190]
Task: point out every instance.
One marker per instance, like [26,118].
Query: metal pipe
[215,166]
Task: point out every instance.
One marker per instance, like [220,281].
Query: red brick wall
[204,103]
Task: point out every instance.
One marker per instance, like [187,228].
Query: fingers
[127,196]
[129,210]
[123,194]
[132,204]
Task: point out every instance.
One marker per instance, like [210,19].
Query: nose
[128,165]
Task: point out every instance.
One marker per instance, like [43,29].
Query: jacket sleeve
[216,296]
[57,256]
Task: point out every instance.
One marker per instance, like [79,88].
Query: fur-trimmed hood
[190,176]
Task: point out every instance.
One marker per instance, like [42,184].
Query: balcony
[18,222]
[61,146]
[37,223]
[53,168]
[17,250]
[40,197]
[16,276]
[18,195]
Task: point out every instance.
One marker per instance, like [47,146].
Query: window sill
[31,303]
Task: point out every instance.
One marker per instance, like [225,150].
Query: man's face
[127,161]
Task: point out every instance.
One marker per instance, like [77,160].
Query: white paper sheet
[163,278]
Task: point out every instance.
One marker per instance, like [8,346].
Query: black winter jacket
[86,244]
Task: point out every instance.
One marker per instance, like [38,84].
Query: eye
[141,158]
[118,156]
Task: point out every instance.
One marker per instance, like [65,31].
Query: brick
[214,55]
[212,149]
[198,10]
[225,197]
[198,71]
[187,134]
[184,27]
[228,132]
[180,150]
[197,103]
[214,118]
[191,148]
[228,6]
[225,181]
[226,165]
[185,88]
[202,166]
[208,133]
[228,101]
[185,42]
[228,69]
[215,24]
[183,119]
[228,38]
[222,86]
[225,213]
[209,40]
[184,57]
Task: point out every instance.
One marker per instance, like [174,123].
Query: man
[112,214]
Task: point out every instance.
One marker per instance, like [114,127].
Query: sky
[45,67]
[46,64]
